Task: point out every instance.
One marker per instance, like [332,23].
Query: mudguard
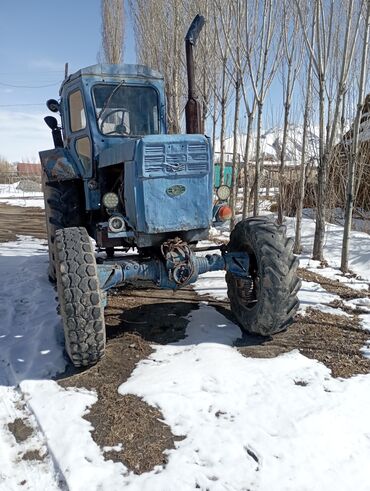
[58,165]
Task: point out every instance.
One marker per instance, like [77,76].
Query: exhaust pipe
[192,108]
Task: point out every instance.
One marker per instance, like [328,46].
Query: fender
[58,165]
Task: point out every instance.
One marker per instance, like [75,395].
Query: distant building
[28,170]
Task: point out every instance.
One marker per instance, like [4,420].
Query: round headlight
[110,200]
[116,224]
[223,192]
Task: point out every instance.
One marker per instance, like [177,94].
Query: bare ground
[16,220]
[332,286]
[138,318]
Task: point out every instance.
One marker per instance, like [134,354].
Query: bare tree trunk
[175,75]
[223,122]
[205,95]
[298,228]
[112,30]
[318,245]
[281,198]
[355,147]
[247,182]
[214,124]
[257,178]
[235,168]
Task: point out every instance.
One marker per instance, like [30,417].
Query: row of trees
[307,61]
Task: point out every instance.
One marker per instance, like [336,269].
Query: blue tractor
[146,199]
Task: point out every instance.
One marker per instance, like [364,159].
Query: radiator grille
[158,159]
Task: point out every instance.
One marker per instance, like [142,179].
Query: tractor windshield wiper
[108,99]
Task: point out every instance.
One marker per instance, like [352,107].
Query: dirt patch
[335,340]
[18,220]
[135,319]
[332,286]
[20,430]
[355,310]
[33,455]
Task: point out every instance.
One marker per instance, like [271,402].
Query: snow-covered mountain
[271,143]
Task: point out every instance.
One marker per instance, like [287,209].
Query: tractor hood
[118,153]
[168,184]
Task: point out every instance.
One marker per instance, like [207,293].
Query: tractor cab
[101,104]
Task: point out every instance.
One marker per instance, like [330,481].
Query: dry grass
[332,286]
[335,340]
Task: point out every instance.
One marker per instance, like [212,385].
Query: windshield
[126,110]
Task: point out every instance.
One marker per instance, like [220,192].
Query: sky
[36,39]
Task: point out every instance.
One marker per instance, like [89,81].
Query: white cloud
[23,135]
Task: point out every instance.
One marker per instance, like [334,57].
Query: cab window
[126,110]
[76,111]
[83,149]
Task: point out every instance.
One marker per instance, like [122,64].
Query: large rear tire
[62,209]
[266,302]
[79,296]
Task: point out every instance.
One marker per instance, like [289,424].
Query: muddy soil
[20,430]
[137,319]
[17,220]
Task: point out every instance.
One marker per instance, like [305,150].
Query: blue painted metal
[154,270]
[59,165]
[103,145]
[237,263]
[168,179]
[161,162]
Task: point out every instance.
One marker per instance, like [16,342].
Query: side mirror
[52,105]
[55,130]
[51,122]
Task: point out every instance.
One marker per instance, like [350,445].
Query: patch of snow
[248,423]
[60,415]
[359,257]
[16,472]
[9,194]
[115,448]
[315,296]
[282,423]
[212,283]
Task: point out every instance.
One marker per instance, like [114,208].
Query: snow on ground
[259,424]
[310,295]
[359,256]
[11,195]
[250,423]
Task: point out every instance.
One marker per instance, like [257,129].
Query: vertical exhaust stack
[192,108]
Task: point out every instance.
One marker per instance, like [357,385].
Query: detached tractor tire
[266,302]
[62,209]
[79,296]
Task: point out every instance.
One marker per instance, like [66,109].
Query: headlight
[223,192]
[110,200]
[116,224]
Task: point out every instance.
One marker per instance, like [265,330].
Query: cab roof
[112,71]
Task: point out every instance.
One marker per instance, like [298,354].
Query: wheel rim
[248,287]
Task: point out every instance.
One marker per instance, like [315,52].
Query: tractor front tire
[266,301]
[79,296]
[62,209]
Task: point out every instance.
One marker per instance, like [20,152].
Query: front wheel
[79,296]
[63,208]
[265,302]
